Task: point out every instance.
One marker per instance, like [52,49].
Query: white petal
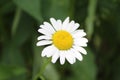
[81,42]
[43,31]
[80,49]
[65,23]
[55,56]
[69,26]
[43,37]
[43,42]
[49,27]
[70,58]
[77,55]
[62,57]
[74,27]
[43,27]
[54,23]
[48,51]
[59,22]
[78,33]
[72,54]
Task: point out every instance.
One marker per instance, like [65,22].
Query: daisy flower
[63,40]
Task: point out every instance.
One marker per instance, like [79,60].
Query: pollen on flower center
[62,40]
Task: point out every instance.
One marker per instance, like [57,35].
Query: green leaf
[32,7]
[56,8]
[24,30]
[7,71]
[12,57]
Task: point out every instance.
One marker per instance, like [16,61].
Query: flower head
[63,40]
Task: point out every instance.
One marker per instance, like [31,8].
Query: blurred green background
[20,59]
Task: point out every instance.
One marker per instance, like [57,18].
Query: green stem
[91,17]
[72,10]
[39,75]
[16,21]
[44,66]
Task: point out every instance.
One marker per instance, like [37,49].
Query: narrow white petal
[78,43]
[82,40]
[51,51]
[80,49]
[41,26]
[54,23]
[55,56]
[43,42]
[44,52]
[72,54]
[78,33]
[65,23]
[43,31]
[43,37]
[48,51]
[59,22]
[77,55]
[74,27]
[69,57]
[69,26]
[49,27]
[62,57]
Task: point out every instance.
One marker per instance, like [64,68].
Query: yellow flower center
[62,40]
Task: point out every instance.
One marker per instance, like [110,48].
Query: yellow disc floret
[62,40]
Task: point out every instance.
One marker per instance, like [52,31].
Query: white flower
[63,40]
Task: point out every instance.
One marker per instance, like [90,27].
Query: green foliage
[20,59]
[7,71]
[32,7]
[85,70]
